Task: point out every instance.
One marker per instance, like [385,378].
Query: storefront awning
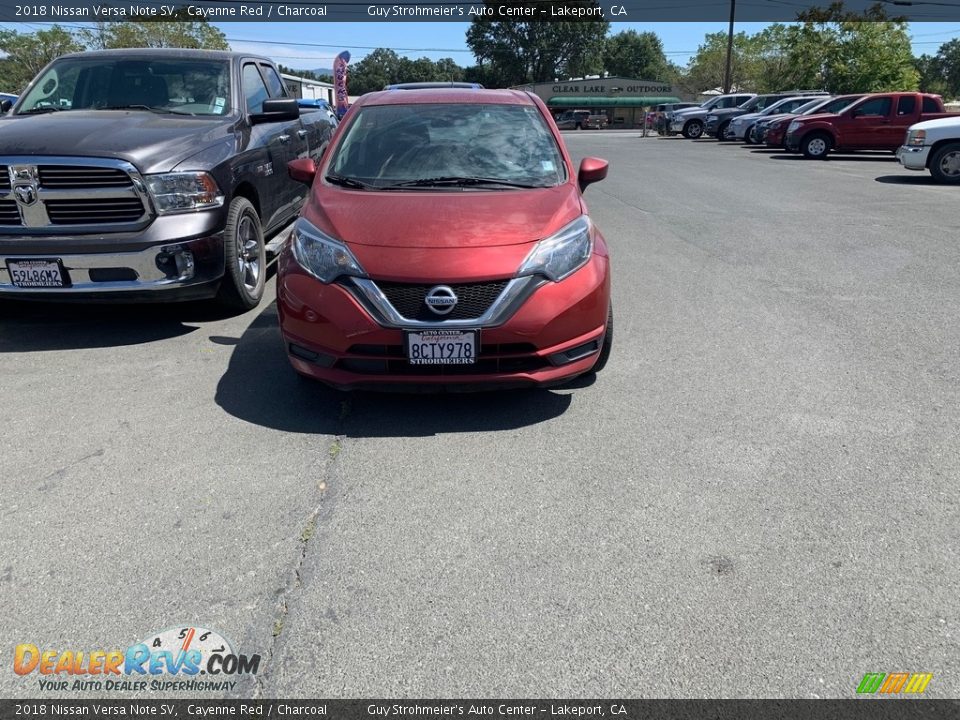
[591,102]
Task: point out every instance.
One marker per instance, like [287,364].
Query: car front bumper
[555,335]
[177,257]
[913,157]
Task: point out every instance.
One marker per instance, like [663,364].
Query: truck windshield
[387,146]
[175,86]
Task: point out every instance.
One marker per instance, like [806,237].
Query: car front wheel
[945,164]
[815,146]
[607,346]
[245,257]
[693,130]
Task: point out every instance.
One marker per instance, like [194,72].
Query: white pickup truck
[933,145]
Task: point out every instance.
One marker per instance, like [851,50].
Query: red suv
[445,243]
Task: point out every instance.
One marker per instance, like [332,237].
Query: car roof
[447,95]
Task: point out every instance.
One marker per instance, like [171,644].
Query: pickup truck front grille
[80,194]
[67,176]
[84,211]
[9,215]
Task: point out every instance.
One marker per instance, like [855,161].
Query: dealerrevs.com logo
[183,658]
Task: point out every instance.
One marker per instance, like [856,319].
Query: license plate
[38,273]
[442,347]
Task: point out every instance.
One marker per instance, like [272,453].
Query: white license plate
[36,273]
[442,347]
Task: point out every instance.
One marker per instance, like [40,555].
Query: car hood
[950,122]
[153,143]
[442,219]
[727,112]
[815,118]
[746,117]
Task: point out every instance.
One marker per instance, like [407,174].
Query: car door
[294,142]
[867,123]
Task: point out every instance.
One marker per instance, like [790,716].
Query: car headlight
[561,254]
[711,118]
[183,192]
[916,137]
[321,255]
[793,126]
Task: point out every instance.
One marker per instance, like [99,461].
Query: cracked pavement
[758,497]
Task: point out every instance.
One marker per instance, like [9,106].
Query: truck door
[867,123]
[293,141]
[907,114]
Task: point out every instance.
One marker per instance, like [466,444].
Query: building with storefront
[623,100]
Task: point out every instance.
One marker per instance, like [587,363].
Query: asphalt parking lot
[757,498]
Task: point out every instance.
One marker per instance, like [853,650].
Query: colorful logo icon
[894,683]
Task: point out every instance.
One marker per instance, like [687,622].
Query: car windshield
[810,106]
[175,86]
[417,145]
[751,105]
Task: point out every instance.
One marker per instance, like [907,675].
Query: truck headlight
[561,254]
[917,137]
[183,192]
[321,255]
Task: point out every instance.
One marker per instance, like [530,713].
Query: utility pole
[727,80]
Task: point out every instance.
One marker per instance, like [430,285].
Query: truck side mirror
[591,170]
[277,110]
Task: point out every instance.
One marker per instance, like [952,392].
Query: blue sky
[320,42]
[441,39]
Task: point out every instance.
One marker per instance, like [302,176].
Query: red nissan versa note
[445,244]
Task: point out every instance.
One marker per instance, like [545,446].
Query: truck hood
[442,219]
[153,143]
[947,122]
[727,112]
[815,118]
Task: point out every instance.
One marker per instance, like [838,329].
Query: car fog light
[185,264]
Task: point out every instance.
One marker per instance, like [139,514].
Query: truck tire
[607,344]
[693,129]
[245,257]
[945,164]
[815,146]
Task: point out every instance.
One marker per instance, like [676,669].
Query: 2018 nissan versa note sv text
[445,243]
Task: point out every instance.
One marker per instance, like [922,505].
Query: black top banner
[859,709]
[443,11]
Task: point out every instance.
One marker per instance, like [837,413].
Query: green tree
[706,68]
[183,31]
[27,54]
[514,52]
[635,55]
[940,73]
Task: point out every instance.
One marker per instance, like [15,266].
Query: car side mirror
[277,110]
[302,170]
[5,105]
[591,170]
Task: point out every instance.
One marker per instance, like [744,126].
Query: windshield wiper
[38,110]
[346,181]
[158,110]
[460,181]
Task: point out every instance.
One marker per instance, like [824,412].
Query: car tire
[693,130]
[607,346]
[245,257]
[746,136]
[945,164]
[815,146]
[722,132]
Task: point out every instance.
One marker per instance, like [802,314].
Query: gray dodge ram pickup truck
[150,175]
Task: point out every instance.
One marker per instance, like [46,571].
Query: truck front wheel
[245,257]
[815,146]
[693,130]
[945,164]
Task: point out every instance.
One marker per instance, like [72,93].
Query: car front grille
[89,194]
[391,360]
[69,176]
[86,211]
[473,299]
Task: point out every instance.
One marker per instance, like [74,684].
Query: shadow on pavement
[887,158]
[260,387]
[38,326]
[910,180]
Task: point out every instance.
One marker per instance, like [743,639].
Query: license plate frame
[14,266]
[446,347]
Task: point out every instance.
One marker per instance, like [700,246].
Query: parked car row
[914,126]
[582,120]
